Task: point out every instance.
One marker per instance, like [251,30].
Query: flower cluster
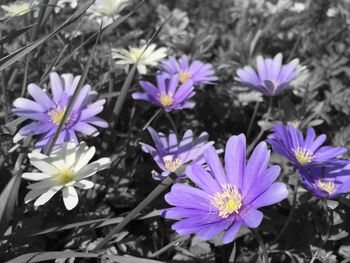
[319,167]
[210,199]
[47,111]
[226,198]
[176,81]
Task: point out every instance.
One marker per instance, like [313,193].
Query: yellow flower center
[65,176]
[172,164]
[184,76]
[166,100]
[57,115]
[303,155]
[326,186]
[227,202]
[136,53]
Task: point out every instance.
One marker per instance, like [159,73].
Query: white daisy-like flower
[64,170]
[108,7]
[19,8]
[66,3]
[150,57]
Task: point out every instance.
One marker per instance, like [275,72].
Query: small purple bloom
[226,198]
[170,154]
[271,75]
[169,94]
[290,143]
[47,111]
[197,71]
[327,181]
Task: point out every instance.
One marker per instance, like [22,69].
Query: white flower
[108,7]
[64,3]
[63,170]
[150,57]
[18,8]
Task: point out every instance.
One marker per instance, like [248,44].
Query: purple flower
[271,77]
[290,143]
[197,71]
[170,154]
[47,111]
[327,181]
[168,94]
[225,199]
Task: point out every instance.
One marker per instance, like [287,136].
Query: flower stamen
[184,76]
[166,100]
[172,163]
[303,155]
[57,114]
[65,176]
[228,202]
[328,187]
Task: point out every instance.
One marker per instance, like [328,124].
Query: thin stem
[257,138]
[250,126]
[169,180]
[233,254]
[176,242]
[155,115]
[172,123]
[5,98]
[291,212]
[262,245]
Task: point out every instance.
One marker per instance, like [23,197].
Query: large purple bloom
[197,71]
[290,143]
[169,153]
[271,75]
[226,198]
[169,94]
[47,111]
[327,181]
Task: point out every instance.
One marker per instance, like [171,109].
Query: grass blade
[44,256]
[127,83]
[14,56]
[73,99]
[169,180]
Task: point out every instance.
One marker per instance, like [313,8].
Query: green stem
[176,242]
[156,115]
[257,138]
[262,245]
[172,123]
[291,212]
[250,126]
[169,180]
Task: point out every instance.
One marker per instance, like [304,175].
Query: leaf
[73,98]
[8,199]
[14,56]
[15,33]
[43,256]
[131,259]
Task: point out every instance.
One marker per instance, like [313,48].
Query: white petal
[18,138]
[84,184]
[70,197]
[93,167]
[47,195]
[32,194]
[35,176]
[42,184]
[68,153]
[84,159]
[42,162]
